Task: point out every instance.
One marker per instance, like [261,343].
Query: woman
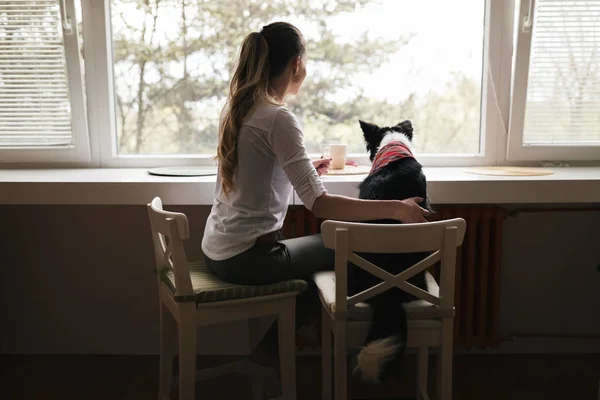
[261,158]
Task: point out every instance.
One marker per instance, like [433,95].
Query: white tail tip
[371,358]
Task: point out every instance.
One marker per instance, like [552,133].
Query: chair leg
[167,346]
[422,367]
[187,356]
[287,348]
[253,339]
[340,368]
[326,354]
[445,361]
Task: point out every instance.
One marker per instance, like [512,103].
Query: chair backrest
[169,230]
[440,238]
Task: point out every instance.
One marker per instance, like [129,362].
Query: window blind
[563,90]
[34,96]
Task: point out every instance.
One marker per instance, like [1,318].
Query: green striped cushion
[208,288]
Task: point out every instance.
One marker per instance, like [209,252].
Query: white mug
[337,152]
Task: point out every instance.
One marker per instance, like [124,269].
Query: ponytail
[249,86]
[263,56]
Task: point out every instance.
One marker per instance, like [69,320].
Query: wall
[551,275]
[79,279]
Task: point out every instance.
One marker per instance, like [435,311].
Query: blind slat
[34,95]
[563,90]
[39,120]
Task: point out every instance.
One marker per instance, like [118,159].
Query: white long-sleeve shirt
[271,160]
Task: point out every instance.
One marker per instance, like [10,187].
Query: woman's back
[270,159]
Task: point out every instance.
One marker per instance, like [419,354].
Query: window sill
[136,186]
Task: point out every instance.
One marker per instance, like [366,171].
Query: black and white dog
[395,175]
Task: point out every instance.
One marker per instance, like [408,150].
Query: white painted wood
[425,329]
[445,361]
[97,37]
[167,347]
[497,58]
[107,186]
[287,348]
[422,370]
[340,239]
[187,352]
[516,150]
[392,238]
[390,281]
[497,74]
[79,153]
[340,360]
[326,354]
[188,316]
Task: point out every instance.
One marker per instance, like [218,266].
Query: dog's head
[377,137]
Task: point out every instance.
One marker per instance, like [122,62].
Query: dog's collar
[390,152]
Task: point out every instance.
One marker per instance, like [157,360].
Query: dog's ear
[368,128]
[406,128]
[373,135]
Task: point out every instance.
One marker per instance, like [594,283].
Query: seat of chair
[325,281]
[208,288]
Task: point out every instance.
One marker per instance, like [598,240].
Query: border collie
[395,175]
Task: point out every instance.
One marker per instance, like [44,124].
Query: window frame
[517,151]
[102,112]
[79,153]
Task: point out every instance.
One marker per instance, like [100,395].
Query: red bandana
[390,152]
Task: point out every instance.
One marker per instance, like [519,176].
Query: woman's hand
[409,211]
[322,165]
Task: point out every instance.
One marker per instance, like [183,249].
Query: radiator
[479,259]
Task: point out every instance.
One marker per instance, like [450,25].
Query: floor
[503,377]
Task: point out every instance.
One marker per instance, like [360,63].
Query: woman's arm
[287,142]
[329,206]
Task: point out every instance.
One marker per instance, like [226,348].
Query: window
[156,75]
[381,61]
[42,108]
[556,105]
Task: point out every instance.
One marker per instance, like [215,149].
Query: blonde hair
[263,56]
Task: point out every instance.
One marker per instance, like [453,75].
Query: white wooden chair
[191,297]
[430,318]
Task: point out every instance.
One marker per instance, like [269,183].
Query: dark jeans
[278,261]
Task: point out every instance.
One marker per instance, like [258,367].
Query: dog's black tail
[387,337]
